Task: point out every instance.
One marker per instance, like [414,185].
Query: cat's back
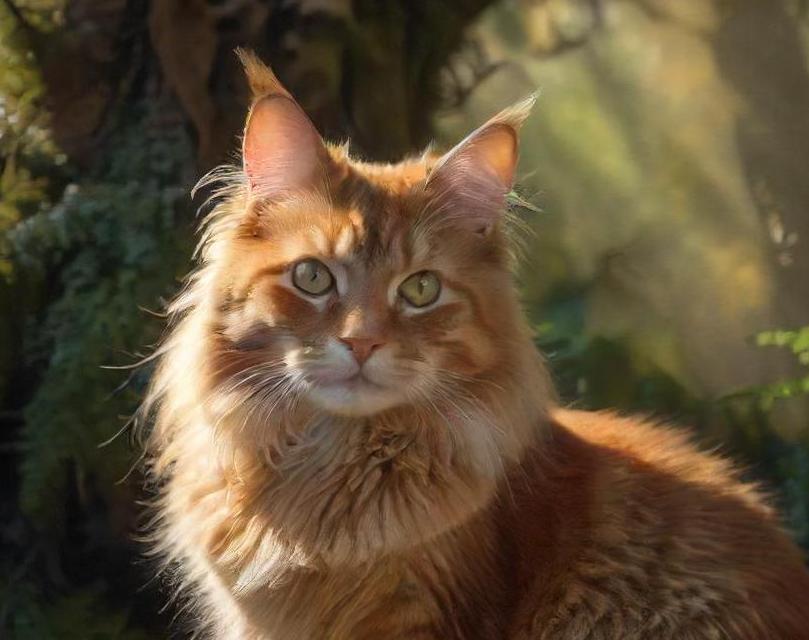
[625,529]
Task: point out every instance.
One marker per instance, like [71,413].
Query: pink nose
[362,348]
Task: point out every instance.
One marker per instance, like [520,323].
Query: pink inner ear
[282,151]
[469,184]
[496,146]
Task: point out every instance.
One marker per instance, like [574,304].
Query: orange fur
[434,491]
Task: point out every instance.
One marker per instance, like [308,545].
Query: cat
[355,438]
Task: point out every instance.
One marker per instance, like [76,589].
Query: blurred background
[668,272]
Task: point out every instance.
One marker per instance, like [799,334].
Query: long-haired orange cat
[356,439]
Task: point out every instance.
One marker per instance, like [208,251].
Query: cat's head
[356,288]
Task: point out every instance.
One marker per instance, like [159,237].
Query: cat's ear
[469,184]
[282,151]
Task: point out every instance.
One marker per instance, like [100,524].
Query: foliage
[25,142]
[796,342]
[118,239]
[115,244]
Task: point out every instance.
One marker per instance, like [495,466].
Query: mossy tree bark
[364,70]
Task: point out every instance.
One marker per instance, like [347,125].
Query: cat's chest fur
[391,599]
[418,596]
[360,533]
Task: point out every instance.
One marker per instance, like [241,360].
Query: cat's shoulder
[672,490]
[642,444]
[656,529]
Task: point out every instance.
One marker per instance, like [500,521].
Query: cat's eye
[313,277]
[421,289]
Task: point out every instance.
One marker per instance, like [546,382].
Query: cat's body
[355,437]
[610,529]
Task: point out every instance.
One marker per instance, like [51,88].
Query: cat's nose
[361,348]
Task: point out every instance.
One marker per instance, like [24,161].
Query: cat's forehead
[371,215]
[396,179]
[375,231]
[367,227]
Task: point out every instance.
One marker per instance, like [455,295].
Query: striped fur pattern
[433,490]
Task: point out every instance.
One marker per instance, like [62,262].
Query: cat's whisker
[285,386]
[259,402]
[246,376]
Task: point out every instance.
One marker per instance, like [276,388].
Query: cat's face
[358,288]
[362,307]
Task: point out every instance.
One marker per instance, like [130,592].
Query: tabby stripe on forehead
[403,242]
[341,241]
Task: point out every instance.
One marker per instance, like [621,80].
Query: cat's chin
[356,397]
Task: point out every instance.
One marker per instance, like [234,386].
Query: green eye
[421,289]
[312,277]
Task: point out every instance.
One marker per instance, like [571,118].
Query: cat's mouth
[352,380]
[356,382]
[353,395]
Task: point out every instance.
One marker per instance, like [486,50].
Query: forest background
[667,272]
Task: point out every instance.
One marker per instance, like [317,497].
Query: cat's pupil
[312,277]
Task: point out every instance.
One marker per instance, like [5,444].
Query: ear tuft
[516,114]
[282,151]
[263,82]
[469,184]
